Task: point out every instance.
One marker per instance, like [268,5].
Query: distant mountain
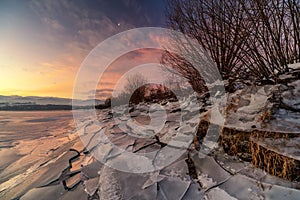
[34,100]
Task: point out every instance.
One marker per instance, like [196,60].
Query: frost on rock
[274,107]
[245,107]
[291,97]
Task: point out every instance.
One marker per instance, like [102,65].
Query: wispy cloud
[54,24]
[55,37]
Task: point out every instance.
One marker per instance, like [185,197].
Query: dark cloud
[90,22]
[103,83]
[100,93]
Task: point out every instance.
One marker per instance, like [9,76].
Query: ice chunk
[217,193]
[172,188]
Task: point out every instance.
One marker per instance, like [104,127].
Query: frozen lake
[30,140]
[27,125]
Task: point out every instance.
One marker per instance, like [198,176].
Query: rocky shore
[247,149]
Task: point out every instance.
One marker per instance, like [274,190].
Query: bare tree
[185,69]
[134,89]
[243,37]
[216,28]
[133,82]
[173,81]
[274,41]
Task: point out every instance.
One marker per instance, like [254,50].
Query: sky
[43,43]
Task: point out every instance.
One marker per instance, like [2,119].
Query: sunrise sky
[43,43]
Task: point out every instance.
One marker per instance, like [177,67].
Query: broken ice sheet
[141,143]
[154,177]
[208,165]
[279,192]
[194,120]
[177,169]
[123,141]
[45,193]
[206,181]
[115,151]
[93,139]
[194,192]
[123,126]
[102,151]
[167,155]
[141,130]
[172,188]
[132,186]
[243,187]
[93,127]
[186,129]
[289,147]
[91,185]
[91,170]
[174,117]
[258,174]
[217,193]
[109,185]
[133,163]
[182,142]
[73,181]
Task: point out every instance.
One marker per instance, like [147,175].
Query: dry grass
[274,163]
[201,133]
[238,143]
[265,118]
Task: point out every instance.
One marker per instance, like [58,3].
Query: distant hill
[43,103]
